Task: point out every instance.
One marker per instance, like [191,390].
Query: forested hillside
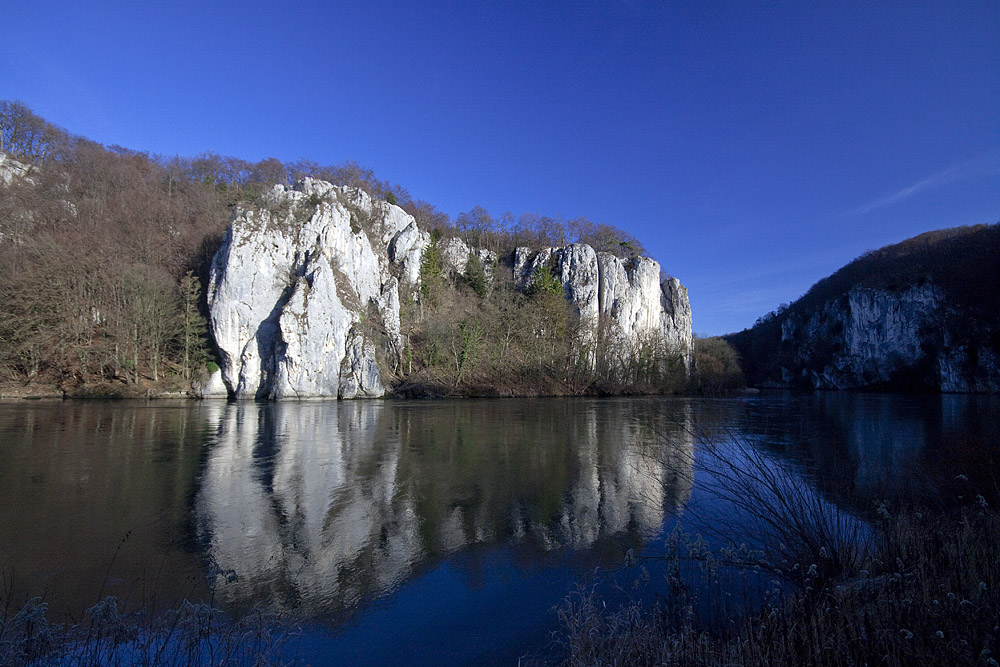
[923,314]
[104,257]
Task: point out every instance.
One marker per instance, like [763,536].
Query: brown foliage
[504,342]
[716,367]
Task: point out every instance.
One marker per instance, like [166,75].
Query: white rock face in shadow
[211,387]
[872,336]
[675,319]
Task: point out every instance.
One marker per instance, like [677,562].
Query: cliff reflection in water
[317,506]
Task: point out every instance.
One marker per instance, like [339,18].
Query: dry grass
[191,634]
[905,588]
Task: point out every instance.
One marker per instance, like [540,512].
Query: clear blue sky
[753,148]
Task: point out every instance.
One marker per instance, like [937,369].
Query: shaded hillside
[923,314]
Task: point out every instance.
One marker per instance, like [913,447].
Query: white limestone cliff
[293,286]
[299,284]
[623,299]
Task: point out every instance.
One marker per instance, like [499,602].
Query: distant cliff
[308,293]
[921,315]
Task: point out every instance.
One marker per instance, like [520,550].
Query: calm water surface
[441,531]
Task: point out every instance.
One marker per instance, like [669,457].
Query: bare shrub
[190,634]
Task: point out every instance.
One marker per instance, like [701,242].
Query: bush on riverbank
[928,594]
[717,369]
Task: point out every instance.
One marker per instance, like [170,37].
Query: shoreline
[13,391]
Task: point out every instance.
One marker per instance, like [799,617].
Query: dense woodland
[104,257]
[963,261]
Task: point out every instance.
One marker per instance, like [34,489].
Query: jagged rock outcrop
[620,299]
[455,256]
[294,286]
[406,248]
[11,169]
[299,286]
[676,319]
[210,387]
[869,336]
[919,315]
[891,338]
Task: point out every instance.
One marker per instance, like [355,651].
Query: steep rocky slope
[919,315]
[11,169]
[625,295]
[305,292]
[291,285]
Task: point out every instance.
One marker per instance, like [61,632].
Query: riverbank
[11,390]
[928,594]
[190,634]
[105,390]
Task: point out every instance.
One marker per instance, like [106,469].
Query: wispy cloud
[953,173]
[731,301]
[802,267]
[750,301]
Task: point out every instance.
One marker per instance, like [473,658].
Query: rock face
[621,299]
[11,169]
[211,387]
[919,315]
[455,256]
[875,337]
[299,285]
[290,288]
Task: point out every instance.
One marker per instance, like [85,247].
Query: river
[442,531]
